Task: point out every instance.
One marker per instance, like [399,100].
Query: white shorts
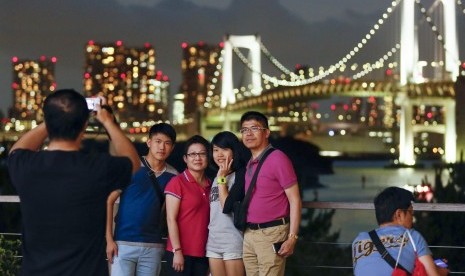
[224,256]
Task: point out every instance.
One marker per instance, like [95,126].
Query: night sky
[310,32]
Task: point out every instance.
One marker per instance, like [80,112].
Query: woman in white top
[224,245]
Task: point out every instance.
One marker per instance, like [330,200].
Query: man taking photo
[63,191]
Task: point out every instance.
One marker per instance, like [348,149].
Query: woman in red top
[188,212]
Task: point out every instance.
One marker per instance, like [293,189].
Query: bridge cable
[323,73]
[273,60]
[461,5]
[276,82]
[378,64]
[435,29]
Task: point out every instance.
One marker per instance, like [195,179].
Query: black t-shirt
[63,206]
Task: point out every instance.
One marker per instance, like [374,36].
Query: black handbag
[241,207]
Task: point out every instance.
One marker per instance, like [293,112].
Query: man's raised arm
[122,145]
[32,140]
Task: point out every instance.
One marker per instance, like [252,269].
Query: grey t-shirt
[223,237]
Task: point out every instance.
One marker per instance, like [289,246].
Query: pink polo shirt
[194,213]
[269,201]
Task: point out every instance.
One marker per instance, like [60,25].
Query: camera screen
[92,103]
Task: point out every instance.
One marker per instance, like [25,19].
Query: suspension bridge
[407,81]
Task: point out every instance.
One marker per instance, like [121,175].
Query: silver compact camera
[92,103]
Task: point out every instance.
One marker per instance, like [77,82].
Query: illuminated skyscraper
[33,81]
[128,79]
[200,86]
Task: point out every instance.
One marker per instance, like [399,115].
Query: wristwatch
[221,180]
[294,236]
[176,249]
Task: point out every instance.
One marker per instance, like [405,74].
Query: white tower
[409,69]
[250,42]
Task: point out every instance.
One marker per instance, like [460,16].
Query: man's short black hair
[165,129]
[65,114]
[255,115]
[389,200]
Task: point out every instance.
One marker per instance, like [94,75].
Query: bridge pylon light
[251,42]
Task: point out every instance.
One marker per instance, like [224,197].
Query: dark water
[345,185]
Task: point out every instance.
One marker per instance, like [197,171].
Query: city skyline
[316,33]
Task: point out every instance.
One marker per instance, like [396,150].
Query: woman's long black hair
[228,140]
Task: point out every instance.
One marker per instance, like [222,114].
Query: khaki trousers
[259,257]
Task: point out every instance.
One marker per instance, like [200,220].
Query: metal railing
[340,269]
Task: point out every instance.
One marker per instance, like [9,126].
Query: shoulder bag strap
[384,253]
[411,240]
[400,250]
[154,180]
[246,201]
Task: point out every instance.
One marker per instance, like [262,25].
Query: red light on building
[91,42]
[184,45]
[347,80]
[165,78]
[298,66]
[119,43]
[201,43]
[14,85]
[14,59]
[388,72]
[86,75]
[43,58]
[429,115]
[332,81]
[333,107]
[147,45]
[54,59]
[122,76]
[221,44]
[346,107]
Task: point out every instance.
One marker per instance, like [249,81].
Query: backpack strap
[384,253]
[411,241]
[154,180]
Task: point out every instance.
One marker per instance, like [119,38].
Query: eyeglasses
[410,211]
[193,155]
[250,129]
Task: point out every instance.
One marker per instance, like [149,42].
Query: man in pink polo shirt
[275,207]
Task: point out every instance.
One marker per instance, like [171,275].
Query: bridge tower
[410,72]
[251,42]
[406,131]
